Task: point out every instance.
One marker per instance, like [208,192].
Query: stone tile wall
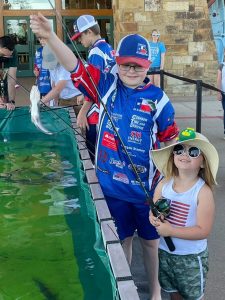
[186,31]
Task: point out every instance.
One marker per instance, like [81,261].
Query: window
[87,4]
[27,4]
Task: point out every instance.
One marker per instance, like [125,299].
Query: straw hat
[188,137]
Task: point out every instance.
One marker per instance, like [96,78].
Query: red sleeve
[170,133]
[86,79]
[36,67]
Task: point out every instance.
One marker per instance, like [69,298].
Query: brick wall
[186,31]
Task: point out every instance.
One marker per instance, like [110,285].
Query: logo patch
[142,49]
[103,156]
[118,163]
[121,177]
[139,168]
[147,105]
[109,141]
[135,137]
[75,28]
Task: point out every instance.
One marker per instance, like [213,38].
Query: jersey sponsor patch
[147,105]
[139,168]
[138,122]
[118,163]
[120,177]
[135,137]
[109,141]
[103,156]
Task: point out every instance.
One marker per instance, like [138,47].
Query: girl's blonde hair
[204,172]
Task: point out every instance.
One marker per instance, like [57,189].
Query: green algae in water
[50,245]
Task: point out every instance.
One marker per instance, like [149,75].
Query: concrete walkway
[212,127]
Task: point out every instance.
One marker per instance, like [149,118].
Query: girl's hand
[154,220]
[164,228]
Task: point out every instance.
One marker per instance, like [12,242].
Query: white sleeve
[63,74]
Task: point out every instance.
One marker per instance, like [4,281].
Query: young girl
[158,51]
[190,168]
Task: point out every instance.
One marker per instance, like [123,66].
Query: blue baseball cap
[134,48]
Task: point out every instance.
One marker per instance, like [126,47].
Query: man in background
[8,68]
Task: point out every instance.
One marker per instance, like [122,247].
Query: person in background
[42,75]
[101,55]
[6,5]
[158,51]
[221,86]
[8,68]
[190,167]
[144,116]
[63,92]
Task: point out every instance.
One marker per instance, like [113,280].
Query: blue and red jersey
[143,117]
[43,80]
[101,55]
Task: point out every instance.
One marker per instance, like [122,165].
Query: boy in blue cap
[143,116]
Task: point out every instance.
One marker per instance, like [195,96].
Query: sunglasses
[192,152]
[156,34]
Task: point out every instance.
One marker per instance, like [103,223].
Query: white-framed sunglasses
[193,152]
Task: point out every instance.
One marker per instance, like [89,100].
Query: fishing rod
[154,208]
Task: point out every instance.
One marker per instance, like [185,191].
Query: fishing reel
[161,208]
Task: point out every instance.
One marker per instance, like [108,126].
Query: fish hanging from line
[35,99]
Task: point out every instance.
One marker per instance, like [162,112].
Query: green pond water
[50,242]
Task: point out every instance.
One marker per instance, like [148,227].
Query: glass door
[27,43]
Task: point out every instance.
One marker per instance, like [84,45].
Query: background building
[184,26]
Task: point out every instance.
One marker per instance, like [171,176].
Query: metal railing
[199,86]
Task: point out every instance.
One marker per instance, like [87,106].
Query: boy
[42,75]
[143,116]
[101,55]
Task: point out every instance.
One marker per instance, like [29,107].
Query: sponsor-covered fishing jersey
[101,55]
[43,80]
[143,117]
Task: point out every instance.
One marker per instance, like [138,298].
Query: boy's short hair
[83,23]
[134,48]
[7,42]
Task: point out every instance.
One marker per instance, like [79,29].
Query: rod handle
[169,243]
